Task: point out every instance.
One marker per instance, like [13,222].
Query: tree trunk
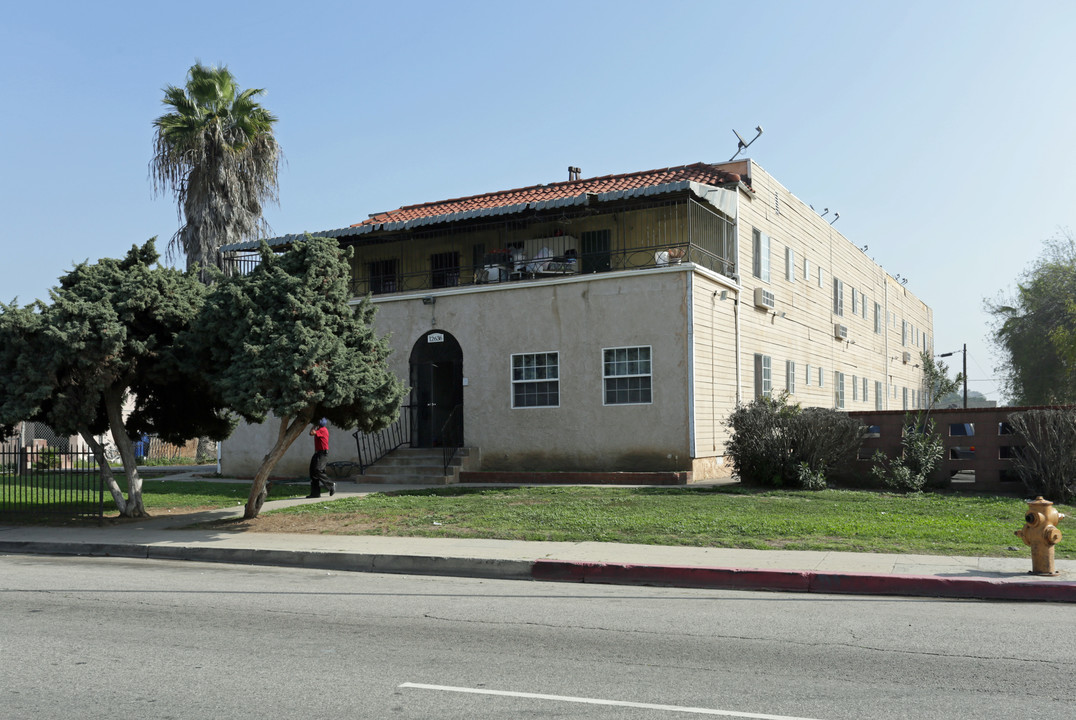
[114,410]
[106,470]
[285,437]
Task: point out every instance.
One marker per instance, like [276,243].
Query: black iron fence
[39,480]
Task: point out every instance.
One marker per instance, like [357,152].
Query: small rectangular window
[807,377]
[790,376]
[863,305]
[383,276]
[903,332]
[855,388]
[763,376]
[821,378]
[855,301]
[838,390]
[821,282]
[878,398]
[865,398]
[904,398]
[628,376]
[445,269]
[760,266]
[790,265]
[536,380]
[838,297]
[877,318]
[806,270]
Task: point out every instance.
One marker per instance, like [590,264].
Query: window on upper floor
[838,390]
[445,269]
[384,275]
[806,270]
[855,302]
[807,377]
[878,399]
[838,297]
[877,318]
[627,375]
[903,332]
[790,376]
[855,388]
[760,256]
[790,264]
[821,378]
[536,380]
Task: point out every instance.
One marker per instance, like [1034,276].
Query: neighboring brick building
[613,323]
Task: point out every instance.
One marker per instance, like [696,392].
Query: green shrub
[921,453]
[1047,464]
[775,443]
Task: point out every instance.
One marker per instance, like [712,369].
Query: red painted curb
[804,581]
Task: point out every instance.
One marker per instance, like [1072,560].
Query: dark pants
[318,478]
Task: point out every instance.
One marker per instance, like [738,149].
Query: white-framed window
[821,281]
[878,318]
[838,297]
[855,388]
[855,301]
[760,258]
[904,334]
[790,264]
[790,376]
[865,398]
[838,390]
[807,377]
[536,380]
[806,270]
[821,378]
[878,397]
[863,305]
[904,398]
[763,376]
[627,374]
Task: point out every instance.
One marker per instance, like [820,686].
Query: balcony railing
[655,235]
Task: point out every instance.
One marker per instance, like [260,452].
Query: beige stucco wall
[577,317]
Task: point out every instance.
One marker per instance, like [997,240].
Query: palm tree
[217,152]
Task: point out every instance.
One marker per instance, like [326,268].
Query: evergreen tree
[107,335]
[284,340]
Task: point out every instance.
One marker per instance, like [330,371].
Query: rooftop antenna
[743,144]
[836,217]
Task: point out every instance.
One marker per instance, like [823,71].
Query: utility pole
[965,351]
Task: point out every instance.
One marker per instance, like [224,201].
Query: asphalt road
[107,638]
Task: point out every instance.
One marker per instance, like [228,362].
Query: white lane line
[597,701]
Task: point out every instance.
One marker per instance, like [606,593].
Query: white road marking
[598,701]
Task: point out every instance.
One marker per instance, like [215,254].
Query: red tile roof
[699,172]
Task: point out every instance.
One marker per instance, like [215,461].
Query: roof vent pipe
[573,173]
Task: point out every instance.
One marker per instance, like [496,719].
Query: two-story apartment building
[613,323]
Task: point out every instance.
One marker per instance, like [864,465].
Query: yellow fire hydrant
[1041,534]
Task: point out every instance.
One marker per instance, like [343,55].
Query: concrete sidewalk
[790,571]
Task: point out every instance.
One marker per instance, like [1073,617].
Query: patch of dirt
[291,523]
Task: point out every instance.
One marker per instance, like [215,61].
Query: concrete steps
[417,466]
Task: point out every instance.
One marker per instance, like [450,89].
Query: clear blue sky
[941,131]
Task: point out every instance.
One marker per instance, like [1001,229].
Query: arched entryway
[437,391]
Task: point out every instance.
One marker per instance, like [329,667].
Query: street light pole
[965,351]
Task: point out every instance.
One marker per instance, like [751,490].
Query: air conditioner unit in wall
[907,358]
[764,298]
[840,331]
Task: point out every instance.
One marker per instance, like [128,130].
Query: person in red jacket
[318,478]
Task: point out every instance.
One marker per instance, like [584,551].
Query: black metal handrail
[374,446]
[450,437]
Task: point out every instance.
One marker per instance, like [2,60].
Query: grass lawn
[728,516]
